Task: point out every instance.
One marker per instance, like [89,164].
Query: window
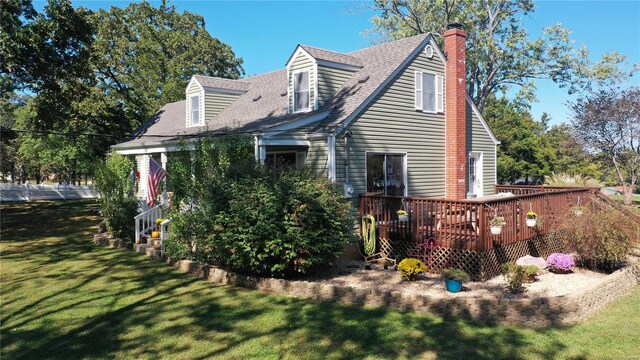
[195,110]
[286,159]
[429,92]
[301,91]
[386,174]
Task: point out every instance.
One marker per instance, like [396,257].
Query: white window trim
[405,171]
[438,92]
[293,87]
[200,96]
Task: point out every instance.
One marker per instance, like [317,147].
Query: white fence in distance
[29,192]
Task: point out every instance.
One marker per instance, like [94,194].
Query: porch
[456,233]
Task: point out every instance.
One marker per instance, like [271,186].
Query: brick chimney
[455,112]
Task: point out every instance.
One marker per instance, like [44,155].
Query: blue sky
[264,33]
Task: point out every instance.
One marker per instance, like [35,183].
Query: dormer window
[194,113]
[301,93]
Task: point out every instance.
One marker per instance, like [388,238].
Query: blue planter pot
[453,286]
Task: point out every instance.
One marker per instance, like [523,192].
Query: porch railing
[464,224]
[146,220]
[164,232]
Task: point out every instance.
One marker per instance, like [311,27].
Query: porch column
[260,151]
[163,161]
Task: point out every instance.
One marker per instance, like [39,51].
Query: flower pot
[157,245]
[559,271]
[496,230]
[453,285]
[403,218]
[531,222]
[530,278]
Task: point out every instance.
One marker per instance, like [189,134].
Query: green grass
[63,297]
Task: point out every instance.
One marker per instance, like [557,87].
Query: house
[393,119]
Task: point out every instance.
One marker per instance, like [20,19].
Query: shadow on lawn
[145,309]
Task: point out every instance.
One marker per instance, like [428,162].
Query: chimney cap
[454,25]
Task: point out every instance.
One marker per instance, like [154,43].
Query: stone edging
[537,312]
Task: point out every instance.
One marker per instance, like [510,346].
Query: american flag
[156,175]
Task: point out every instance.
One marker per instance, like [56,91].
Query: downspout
[331,166]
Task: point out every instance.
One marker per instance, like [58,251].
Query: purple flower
[560,261]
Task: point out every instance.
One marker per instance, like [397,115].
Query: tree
[144,57]
[99,73]
[499,53]
[608,121]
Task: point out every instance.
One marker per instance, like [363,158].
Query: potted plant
[403,216]
[560,263]
[496,224]
[531,219]
[453,279]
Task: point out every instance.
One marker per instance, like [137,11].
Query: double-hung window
[301,94]
[194,110]
[429,92]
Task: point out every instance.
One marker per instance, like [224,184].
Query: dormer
[208,96]
[314,75]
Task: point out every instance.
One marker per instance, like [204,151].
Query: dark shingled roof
[328,55]
[215,82]
[270,109]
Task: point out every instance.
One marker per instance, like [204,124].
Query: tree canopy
[101,72]
[500,52]
[608,121]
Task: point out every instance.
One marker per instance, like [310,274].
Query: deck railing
[464,224]
[146,220]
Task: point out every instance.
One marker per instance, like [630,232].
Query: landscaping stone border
[536,312]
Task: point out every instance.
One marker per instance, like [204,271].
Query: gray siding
[478,140]
[317,156]
[215,102]
[390,124]
[329,81]
[300,63]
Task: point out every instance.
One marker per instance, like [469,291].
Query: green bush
[601,240]
[514,275]
[455,274]
[255,219]
[115,186]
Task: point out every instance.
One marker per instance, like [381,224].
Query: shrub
[410,268]
[600,240]
[455,274]
[559,261]
[254,219]
[115,186]
[514,275]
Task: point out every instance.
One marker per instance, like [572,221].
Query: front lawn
[63,297]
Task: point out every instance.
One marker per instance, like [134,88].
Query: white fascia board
[482,121]
[149,150]
[191,81]
[339,66]
[297,51]
[296,124]
[223,90]
[315,86]
[395,72]
[286,142]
